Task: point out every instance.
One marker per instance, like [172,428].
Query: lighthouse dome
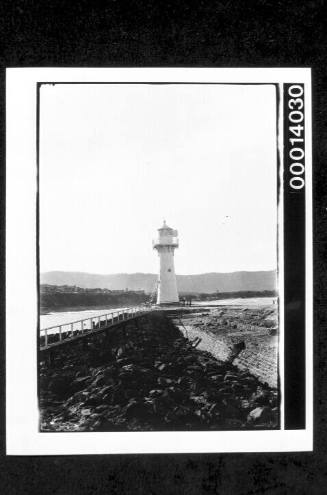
[166,230]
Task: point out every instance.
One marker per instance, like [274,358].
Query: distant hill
[206,282]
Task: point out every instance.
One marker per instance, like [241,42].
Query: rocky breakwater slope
[246,336]
[146,376]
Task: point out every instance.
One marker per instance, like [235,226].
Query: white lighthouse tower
[165,244]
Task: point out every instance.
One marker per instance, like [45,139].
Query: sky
[118,159]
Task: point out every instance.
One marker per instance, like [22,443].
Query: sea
[62,317]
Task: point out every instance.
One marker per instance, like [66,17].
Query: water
[250,302]
[62,317]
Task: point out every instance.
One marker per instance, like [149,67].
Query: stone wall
[259,357]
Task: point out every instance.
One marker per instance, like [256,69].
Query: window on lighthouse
[169,269]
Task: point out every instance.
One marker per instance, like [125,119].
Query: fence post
[46,337]
[60,336]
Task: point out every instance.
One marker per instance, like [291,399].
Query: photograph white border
[22,417]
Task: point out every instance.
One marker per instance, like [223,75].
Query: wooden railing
[58,334]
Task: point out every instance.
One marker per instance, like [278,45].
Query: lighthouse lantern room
[165,244]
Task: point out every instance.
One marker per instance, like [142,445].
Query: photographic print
[169,266]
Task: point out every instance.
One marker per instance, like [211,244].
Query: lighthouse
[165,244]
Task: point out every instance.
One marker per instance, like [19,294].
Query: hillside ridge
[204,282]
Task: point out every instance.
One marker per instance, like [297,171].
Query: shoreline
[46,310]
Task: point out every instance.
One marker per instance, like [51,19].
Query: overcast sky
[115,160]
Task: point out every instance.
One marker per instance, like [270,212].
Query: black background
[226,33]
[294,284]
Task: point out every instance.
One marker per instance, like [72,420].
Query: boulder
[262,398]
[138,409]
[99,380]
[86,412]
[260,415]
[101,408]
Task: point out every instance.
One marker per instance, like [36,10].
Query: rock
[164,381]
[100,380]
[160,366]
[94,400]
[260,414]
[237,388]
[129,368]
[249,381]
[273,402]
[60,385]
[122,361]
[105,390]
[147,379]
[82,379]
[194,368]
[138,409]
[97,371]
[230,376]
[95,425]
[217,379]
[200,399]
[275,416]
[229,410]
[156,392]
[262,398]
[120,352]
[86,412]
[225,390]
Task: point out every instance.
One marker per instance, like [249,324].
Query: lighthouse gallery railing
[165,241]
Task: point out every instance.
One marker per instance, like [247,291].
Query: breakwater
[145,375]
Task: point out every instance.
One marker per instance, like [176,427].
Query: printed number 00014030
[296,128]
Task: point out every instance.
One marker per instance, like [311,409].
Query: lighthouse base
[177,303]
